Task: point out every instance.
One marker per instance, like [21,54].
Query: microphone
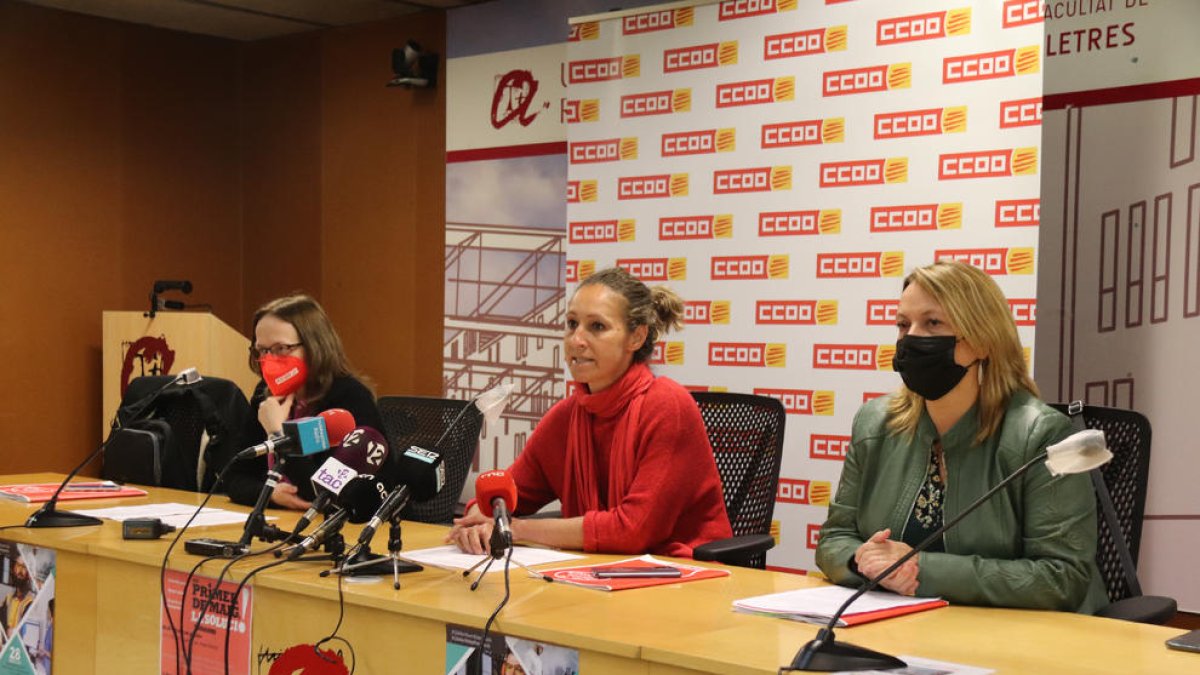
[496,494]
[361,497]
[49,515]
[420,476]
[305,436]
[1078,453]
[363,451]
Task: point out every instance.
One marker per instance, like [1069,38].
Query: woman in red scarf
[626,453]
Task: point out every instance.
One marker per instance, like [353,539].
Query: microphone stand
[824,653]
[364,563]
[49,515]
[500,542]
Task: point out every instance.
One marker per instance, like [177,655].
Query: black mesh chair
[1121,501]
[746,433]
[421,421]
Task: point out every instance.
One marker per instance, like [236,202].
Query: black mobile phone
[1188,642]
[636,572]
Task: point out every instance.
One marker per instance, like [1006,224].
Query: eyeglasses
[279,349]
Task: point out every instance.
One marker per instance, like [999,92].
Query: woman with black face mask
[967,417]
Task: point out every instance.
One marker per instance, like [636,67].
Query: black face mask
[926,364]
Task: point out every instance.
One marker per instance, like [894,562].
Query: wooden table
[107,614]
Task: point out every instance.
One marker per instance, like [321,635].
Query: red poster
[208,649]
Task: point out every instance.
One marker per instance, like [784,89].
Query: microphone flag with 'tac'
[363,451]
[361,498]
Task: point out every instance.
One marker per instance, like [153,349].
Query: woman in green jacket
[967,416]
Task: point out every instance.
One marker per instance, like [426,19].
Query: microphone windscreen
[363,449]
[362,497]
[422,471]
[493,484]
[309,434]
[339,422]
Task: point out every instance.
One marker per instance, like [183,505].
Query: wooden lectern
[136,345]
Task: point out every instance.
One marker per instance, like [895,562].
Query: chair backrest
[213,405]
[746,434]
[1126,476]
[421,421]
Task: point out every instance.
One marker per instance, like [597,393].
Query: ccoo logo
[656,102]
[700,56]
[652,187]
[804,43]
[730,10]
[757,179]
[677,228]
[853,357]
[748,267]
[583,110]
[860,265]
[602,70]
[828,446]
[987,164]
[698,142]
[995,261]
[866,80]
[882,312]
[1024,112]
[582,191]
[649,22]
[864,172]
[801,401]
[706,311]
[916,217]
[805,132]
[655,269]
[799,491]
[601,231]
[928,122]
[795,223]
[1018,212]
[796,312]
[991,65]
[747,354]
[930,26]
[578,270]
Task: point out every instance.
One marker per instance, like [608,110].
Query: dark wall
[253,169]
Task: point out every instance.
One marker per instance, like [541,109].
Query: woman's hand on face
[472,532]
[273,411]
[288,496]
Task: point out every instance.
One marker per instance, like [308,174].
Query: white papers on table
[449,557]
[818,604]
[170,513]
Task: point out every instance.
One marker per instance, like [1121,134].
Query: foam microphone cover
[363,449]
[493,484]
[338,422]
[362,497]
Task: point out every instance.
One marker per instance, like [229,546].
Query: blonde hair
[979,312]
[323,351]
[659,308]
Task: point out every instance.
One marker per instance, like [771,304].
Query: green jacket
[1031,545]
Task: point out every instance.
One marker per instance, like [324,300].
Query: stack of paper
[818,605]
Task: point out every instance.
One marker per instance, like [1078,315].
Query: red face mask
[284,375]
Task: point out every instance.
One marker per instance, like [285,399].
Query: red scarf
[581,493]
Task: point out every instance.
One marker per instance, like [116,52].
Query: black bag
[135,453]
[172,443]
